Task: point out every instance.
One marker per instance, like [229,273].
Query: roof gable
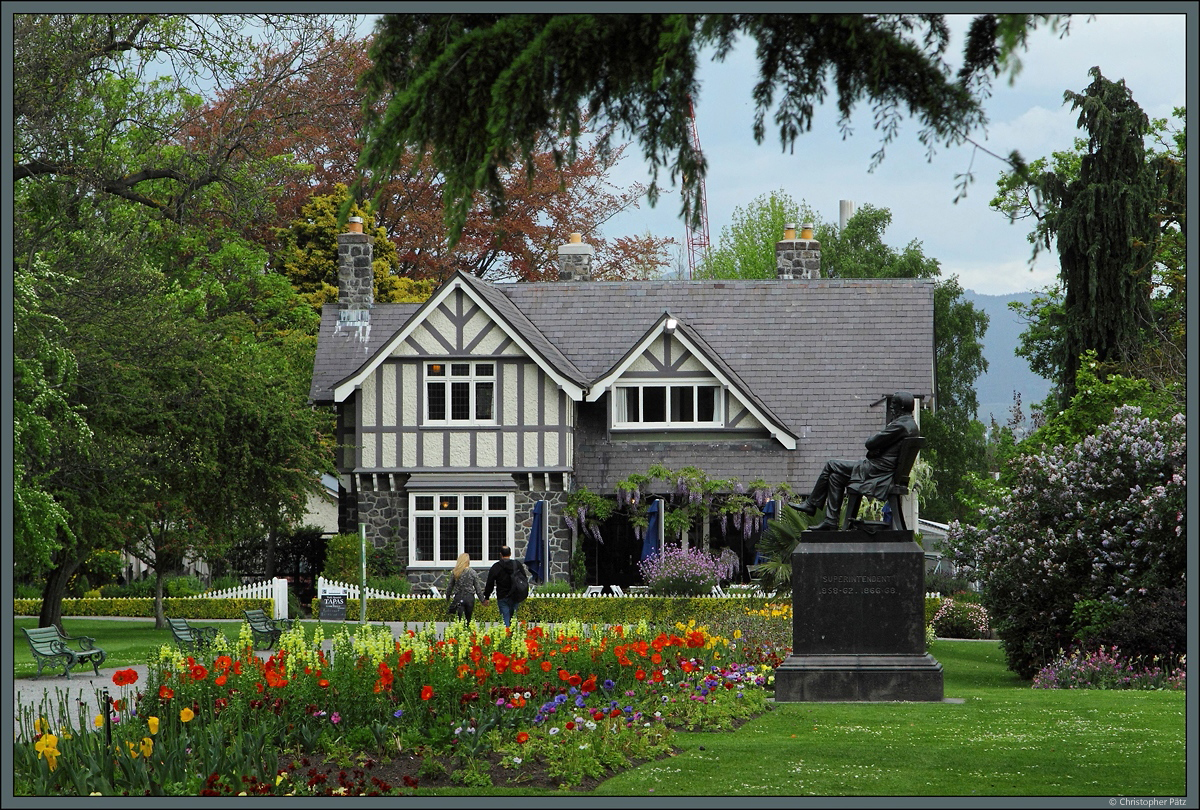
[511,321]
[689,340]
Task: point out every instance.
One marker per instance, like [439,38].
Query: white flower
[517,760]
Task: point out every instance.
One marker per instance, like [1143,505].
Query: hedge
[143,608]
[547,609]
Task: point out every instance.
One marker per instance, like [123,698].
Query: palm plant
[777,543]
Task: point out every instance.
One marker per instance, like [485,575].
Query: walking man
[511,583]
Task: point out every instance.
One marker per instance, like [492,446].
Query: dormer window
[460,393]
[667,405]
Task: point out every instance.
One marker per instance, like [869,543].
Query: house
[456,415]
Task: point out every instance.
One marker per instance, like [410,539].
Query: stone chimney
[356,278]
[575,260]
[797,256]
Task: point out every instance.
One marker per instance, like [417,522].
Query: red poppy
[657,676]
[124,677]
[426,692]
[640,674]
[656,659]
[570,725]
[324,684]
[237,667]
[165,692]
[614,713]
[223,662]
[199,673]
[221,679]
[547,666]
[522,737]
[574,680]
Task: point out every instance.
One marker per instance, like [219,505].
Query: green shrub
[23,591]
[225,582]
[183,586]
[395,584]
[343,558]
[555,586]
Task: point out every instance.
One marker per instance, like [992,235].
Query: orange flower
[324,684]
[522,737]
[223,662]
[237,667]
[186,714]
[165,692]
[657,676]
[656,659]
[640,674]
[199,673]
[547,666]
[221,679]
[124,677]
[563,675]
[426,692]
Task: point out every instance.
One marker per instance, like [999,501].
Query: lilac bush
[683,572]
[1102,519]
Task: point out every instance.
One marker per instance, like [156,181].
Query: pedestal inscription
[858,621]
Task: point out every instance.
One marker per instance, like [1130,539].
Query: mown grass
[1004,739]
[994,736]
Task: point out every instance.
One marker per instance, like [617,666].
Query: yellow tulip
[153,723]
[147,746]
[99,721]
[41,725]
[186,714]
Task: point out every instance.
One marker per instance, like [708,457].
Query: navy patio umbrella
[652,540]
[769,511]
[535,549]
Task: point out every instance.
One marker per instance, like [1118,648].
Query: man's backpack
[520,583]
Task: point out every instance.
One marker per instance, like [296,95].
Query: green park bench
[266,630]
[190,637]
[49,646]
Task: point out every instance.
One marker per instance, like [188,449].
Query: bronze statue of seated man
[870,476]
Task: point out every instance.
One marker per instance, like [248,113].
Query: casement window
[443,526]
[667,405]
[460,393]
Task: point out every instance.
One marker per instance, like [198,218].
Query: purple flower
[335,718]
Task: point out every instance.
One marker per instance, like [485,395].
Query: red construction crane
[697,237]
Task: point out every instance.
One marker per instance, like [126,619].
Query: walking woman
[464,588]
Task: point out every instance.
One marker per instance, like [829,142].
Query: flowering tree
[1101,519]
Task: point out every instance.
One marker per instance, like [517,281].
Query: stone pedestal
[858,621]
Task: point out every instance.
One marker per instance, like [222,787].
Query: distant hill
[1006,372]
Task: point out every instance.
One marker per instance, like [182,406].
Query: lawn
[1004,739]
[994,736]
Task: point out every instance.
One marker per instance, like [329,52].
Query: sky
[987,253]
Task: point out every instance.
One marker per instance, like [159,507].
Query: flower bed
[576,703]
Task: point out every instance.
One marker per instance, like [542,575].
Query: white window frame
[457,511]
[473,380]
[621,421]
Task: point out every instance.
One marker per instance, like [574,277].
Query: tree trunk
[272,538]
[160,620]
[54,592]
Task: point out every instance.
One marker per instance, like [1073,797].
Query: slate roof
[814,353]
[342,349]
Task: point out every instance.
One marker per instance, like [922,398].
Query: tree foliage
[1114,208]
[520,243]
[191,363]
[483,91]
[1101,519]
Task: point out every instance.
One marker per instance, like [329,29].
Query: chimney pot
[806,231]
[355,225]
[789,231]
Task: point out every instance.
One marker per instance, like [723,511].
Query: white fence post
[279,593]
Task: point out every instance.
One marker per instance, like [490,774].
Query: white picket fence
[275,589]
[353,592]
